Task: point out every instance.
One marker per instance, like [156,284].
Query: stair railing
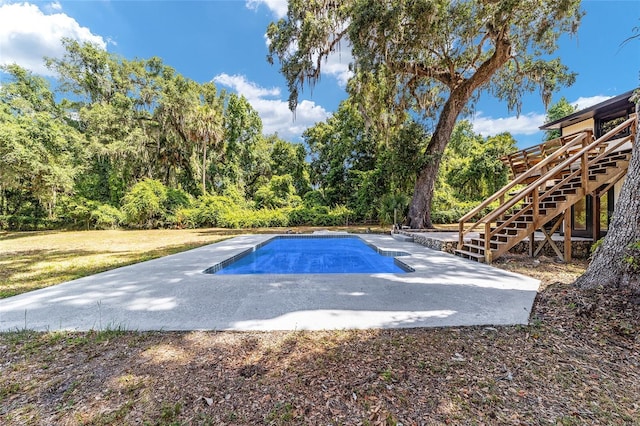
[536,170]
[588,155]
[523,160]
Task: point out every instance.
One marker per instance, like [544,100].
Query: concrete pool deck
[173,293]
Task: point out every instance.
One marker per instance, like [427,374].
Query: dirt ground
[576,363]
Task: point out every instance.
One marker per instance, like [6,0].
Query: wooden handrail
[517,181]
[529,157]
[558,168]
[581,155]
[536,197]
[524,176]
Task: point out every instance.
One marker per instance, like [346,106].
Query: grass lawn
[576,363]
[33,260]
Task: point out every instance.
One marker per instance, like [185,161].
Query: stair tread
[477,256]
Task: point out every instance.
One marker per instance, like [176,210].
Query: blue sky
[224,41]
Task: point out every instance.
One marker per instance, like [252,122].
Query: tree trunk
[420,209]
[611,266]
[204,168]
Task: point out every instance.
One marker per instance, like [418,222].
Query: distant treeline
[132,143]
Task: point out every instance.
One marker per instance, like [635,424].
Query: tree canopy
[433,57]
[135,143]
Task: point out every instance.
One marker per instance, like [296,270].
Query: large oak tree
[434,57]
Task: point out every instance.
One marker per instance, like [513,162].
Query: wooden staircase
[540,197]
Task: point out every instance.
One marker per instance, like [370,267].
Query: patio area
[174,293]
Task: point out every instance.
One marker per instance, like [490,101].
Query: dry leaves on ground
[578,362]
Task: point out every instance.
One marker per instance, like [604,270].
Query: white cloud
[582,102]
[526,124]
[27,35]
[275,114]
[277,7]
[247,88]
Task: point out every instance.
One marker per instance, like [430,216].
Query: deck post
[595,217]
[488,256]
[532,239]
[567,235]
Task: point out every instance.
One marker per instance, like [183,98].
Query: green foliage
[313,198]
[354,165]
[107,217]
[176,199]
[40,153]
[559,110]
[144,204]
[320,216]
[262,218]
[76,211]
[449,216]
[393,205]
[279,192]
[367,187]
[471,166]
[211,209]
[25,223]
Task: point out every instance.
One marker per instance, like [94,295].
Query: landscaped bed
[578,362]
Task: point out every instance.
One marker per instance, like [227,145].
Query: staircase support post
[595,217]
[567,235]
[532,239]
[488,256]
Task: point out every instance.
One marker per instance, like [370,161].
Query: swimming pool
[312,255]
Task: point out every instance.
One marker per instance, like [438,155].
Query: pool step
[402,237]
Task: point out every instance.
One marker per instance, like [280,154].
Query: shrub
[211,208]
[319,216]
[21,223]
[313,198]
[75,211]
[106,217]
[186,218]
[263,218]
[454,214]
[279,192]
[176,199]
[393,205]
[339,215]
[447,216]
[144,204]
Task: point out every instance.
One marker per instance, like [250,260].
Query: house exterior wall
[588,124]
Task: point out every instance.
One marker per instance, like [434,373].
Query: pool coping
[173,293]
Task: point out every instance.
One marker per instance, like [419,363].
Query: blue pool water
[283,255]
